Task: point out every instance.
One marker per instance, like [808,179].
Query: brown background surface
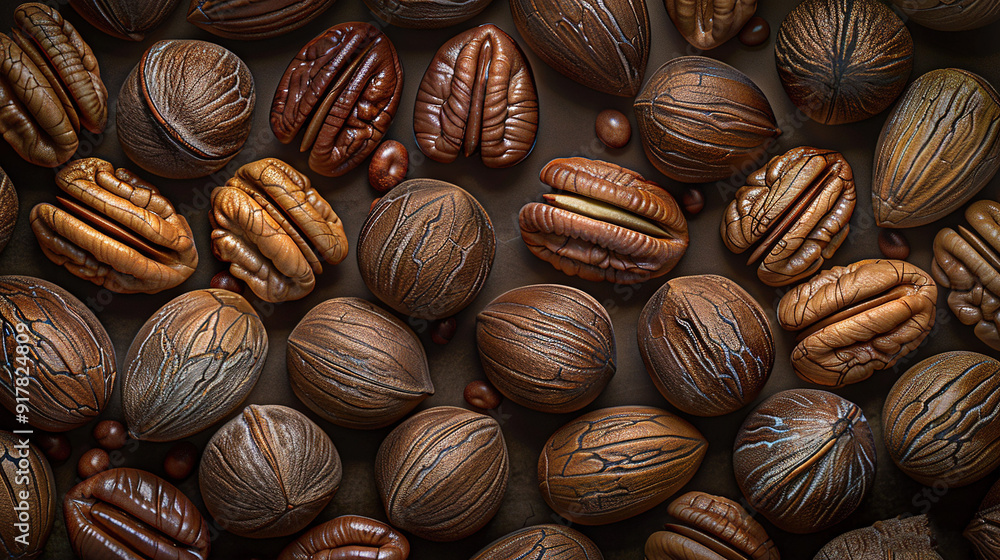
[567,117]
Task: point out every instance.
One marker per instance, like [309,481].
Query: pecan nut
[9,207]
[951,15]
[608,223]
[984,529]
[908,537]
[275,230]
[115,230]
[254,19]
[541,542]
[125,19]
[706,24]
[426,14]
[349,536]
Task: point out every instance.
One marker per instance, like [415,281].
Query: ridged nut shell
[125,19]
[254,19]
[950,15]
[23,468]
[541,542]
[8,209]
[349,537]
[984,529]
[891,539]
[426,14]
[706,24]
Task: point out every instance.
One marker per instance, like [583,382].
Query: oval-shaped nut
[116,230]
[908,537]
[275,230]
[125,19]
[477,94]
[349,537]
[706,24]
[541,542]
[797,210]
[938,148]
[602,44]
[984,529]
[710,528]
[950,15]
[253,19]
[128,513]
[702,120]
[858,319]
[9,207]
[28,491]
[343,87]
[614,463]
[72,358]
[608,223]
[426,14]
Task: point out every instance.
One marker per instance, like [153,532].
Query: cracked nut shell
[706,24]
[541,542]
[24,469]
[950,15]
[247,20]
[125,19]
[9,207]
[984,529]
[890,539]
[426,14]
[350,537]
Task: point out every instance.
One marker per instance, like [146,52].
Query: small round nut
[613,128]
[110,434]
[755,32]
[388,165]
[893,244]
[481,394]
[93,462]
[181,460]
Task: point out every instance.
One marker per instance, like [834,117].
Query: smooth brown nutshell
[605,222]
[135,511]
[268,472]
[444,330]
[226,281]
[426,14]
[442,473]
[110,434]
[92,462]
[8,209]
[893,245]
[275,230]
[24,469]
[984,529]
[951,15]
[125,19]
[796,210]
[541,542]
[477,94]
[115,230]
[343,88]
[908,537]
[615,463]
[481,394]
[613,128]
[692,201]
[181,460]
[349,537]
[939,147]
[692,144]
[805,459]
[243,20]
[547,347]
[388,165]
[426,248]
[857,319]
[602,44]
[55,446]
[70,360]
[755,32]
[706,24]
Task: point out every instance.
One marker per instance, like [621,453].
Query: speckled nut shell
[541,542]
[984,529]
[24,469]
[950,15]
[125,19]
[706,24]
[891,539]
[245,20]
[9,207]
[349,537]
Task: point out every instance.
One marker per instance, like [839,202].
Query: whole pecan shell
[891,539]
[541,542]
[798,208]
[24,468]
[9,207]
[349,537]
[477,94]
[125,19]
[984,529]
[254,19]
[426,14]
[950,15]
[858,319]
[706,24]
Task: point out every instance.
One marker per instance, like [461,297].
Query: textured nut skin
[541,542]
[350,537]
[388,165]
[9,207]
[805,459]
[596,248]
[798,208]
[357,365]
[477,94]
[343,88]
[690,143]
[185,109]
[939,146]
[72,358]
[547,347]
[133,514]
[275,230]
[192,364]
[984,529]
[950,15]
[706,344]
[125,19]
[706,24]
[119,232]
[614,463]
[37,480]
[426,248]
[268,472]
[426,14]
[602,44]
[892,539]
[858,319]
[254,19]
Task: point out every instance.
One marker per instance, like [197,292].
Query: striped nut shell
[541,542]
[349,537]
[605,222]
[891,539]
[253,19]
[28,489]
[706,24]
[805,459]
[938,148]
[9,207]
[125,19]
[984,529]
[614,463]
[442,473]
[115,230]
[941,420]
[950,15]
[275,230]
[477,94]
[343,88]
[858,319]
[426,14]
[796,209]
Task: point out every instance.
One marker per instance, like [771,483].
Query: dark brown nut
[443,330]
[110,434]
[692,201]
[92,462]
[442,473]
[541,542]
[27,498]
[797,209]
[843,61]
[346,83]
[128,513]
[268,472]
[426,14]
[602,44]
[357,365]
[950,15]
[857,319]
[125,19]
[481,394]
[805,459]
[477,94]
[890,539]
[706,24]
[984,529]
[349,537]
[226,281]
[701,120]
[181,460]
[185,109]
[893,245]
[755,32]
[254,19]
[614,463]
[115,230]
[55,446]
[706,343]
[275,230]
[388,165]
[50,85]
[607,223]
[426,248]
[202,353]
[8,208]
[55,343]
[938,148]
[612,128]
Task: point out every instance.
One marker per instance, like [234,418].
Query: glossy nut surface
[125,19]
[23,468]
[254,19]
[796,210]
[477,94]
[950,15]
[857,319]
[707,24]
[349,537]
[388,165]
[605,222]
[909,537]
[984,529]
[541,542]
[8,209]
[426,14]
